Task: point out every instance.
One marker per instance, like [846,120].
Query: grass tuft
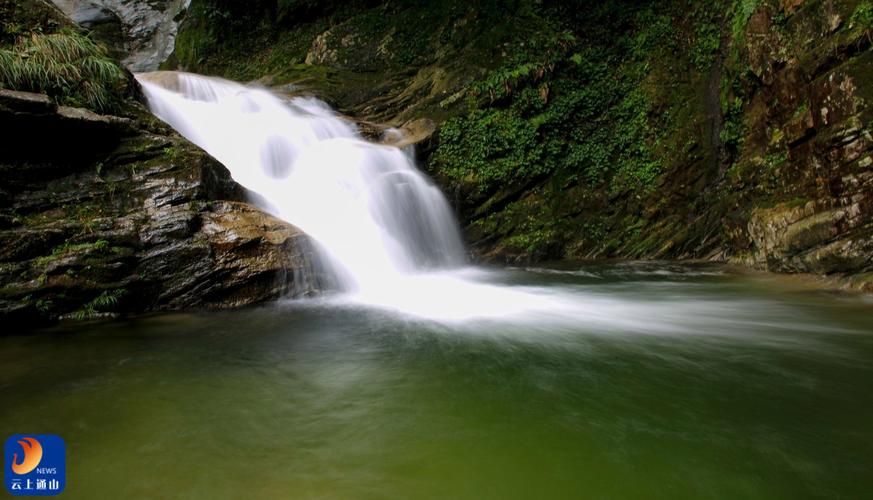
[68,66]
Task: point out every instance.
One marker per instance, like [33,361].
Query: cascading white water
[373,213]
[386,233]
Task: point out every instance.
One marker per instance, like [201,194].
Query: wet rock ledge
[104,215]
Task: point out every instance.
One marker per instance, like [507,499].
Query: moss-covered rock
[105,215]
[798,197]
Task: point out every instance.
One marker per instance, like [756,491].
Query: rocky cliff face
[142,32]
[731,130]
[104,215]
[802,183]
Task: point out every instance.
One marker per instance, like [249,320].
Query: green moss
[801,110]
[862,18]
[743,10]
[797,202]
[775,160]
[534,242]
[197,40]
[70,248]
[491,147]
[706,45]
[531,117]
[22,17]
[588,113]
[733,131]
[240,40]
[45,260]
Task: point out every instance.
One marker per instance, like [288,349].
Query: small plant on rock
[103,301]
[68,66]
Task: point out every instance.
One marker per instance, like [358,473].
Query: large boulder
[105,215]
[143,32]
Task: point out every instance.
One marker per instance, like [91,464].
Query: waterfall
[387,238]
[375,217]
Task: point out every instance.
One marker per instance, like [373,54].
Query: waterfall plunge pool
[653,380]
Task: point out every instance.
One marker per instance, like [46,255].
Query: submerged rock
[104,214]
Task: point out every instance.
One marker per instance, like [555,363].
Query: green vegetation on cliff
[578,129]
[66,65]
[556,129]
[576,118]
[724,129]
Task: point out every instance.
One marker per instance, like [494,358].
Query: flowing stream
[678,381]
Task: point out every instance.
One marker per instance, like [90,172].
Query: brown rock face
[255,256]
[803,180]
[790,6]
[104,215]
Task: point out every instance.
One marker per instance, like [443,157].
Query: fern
[105,300]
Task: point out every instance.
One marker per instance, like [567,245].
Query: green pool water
[652,381]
